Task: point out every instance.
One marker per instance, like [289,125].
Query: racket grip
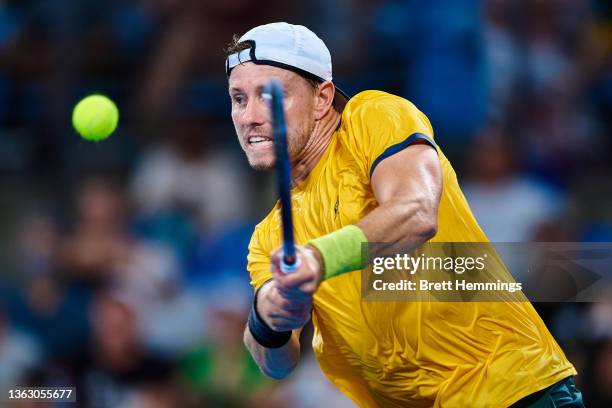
[289,268]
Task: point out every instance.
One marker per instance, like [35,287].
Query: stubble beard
[296,145]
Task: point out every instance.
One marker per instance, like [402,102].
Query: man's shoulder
[374,101]
[382,118]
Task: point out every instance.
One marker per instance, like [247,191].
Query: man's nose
[256,112]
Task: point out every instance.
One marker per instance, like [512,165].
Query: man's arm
[279,315]
[407,186]
[275,363]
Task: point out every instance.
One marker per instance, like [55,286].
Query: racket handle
[286,267]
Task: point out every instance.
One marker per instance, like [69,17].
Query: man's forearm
[275,362]
[269,321]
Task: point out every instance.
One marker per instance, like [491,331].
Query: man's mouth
[259,141]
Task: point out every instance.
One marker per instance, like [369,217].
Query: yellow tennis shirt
[405,354]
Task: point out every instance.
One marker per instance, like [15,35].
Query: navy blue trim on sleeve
[391,150]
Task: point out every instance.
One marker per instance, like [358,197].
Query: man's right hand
[278,312]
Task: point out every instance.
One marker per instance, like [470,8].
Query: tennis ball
[95,117]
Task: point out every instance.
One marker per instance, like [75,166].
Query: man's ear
[324,99]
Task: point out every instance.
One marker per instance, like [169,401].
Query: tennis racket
[274,91]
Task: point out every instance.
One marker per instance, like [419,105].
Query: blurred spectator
[37,245]
[558,135]
[546,60]
[509,206]
[188,174]
[503,56]
[55,314]
[174,320]
[51,310]
[100,249]
[598,391]
[599,320]
[118,371]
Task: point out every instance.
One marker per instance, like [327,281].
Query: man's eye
[238,99]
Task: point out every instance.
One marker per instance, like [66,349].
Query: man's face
[251,116]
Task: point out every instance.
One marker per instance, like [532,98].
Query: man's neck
[316,146]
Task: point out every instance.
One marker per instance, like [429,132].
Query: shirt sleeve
[381,124]
[258,259]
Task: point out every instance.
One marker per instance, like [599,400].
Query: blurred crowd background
[123,262]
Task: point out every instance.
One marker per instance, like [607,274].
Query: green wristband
[341,250]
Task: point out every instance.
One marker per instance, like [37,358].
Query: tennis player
[368,170]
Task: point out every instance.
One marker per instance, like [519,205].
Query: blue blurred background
[123,262]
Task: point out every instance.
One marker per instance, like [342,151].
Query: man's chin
[261,165]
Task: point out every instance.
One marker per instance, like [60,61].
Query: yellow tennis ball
[95,117]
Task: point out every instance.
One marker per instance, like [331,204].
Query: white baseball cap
[288,46]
